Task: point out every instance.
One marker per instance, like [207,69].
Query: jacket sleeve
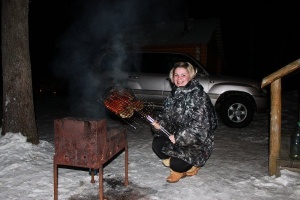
[163,119]
[200,121]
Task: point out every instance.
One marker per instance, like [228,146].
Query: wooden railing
[275,121]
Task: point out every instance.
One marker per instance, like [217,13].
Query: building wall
[205,54]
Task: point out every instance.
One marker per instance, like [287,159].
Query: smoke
[95,26]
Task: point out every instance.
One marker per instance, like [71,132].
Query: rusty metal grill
[88,144]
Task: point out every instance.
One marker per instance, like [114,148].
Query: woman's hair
[186,65]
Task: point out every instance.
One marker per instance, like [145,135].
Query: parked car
[146,73]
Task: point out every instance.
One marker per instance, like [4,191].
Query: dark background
[259,37]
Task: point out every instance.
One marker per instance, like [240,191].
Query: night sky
[259,37]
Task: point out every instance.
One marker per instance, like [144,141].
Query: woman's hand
[172,138]
[156,125]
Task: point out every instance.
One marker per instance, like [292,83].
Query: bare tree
[18,107]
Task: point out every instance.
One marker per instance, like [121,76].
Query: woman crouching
[190,117]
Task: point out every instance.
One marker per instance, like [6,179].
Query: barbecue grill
[87,143]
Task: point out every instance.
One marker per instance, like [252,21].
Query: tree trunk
[18,107]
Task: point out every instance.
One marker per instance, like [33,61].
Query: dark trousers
[176,164]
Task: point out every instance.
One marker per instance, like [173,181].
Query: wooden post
[275,127]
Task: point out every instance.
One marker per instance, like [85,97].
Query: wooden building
[201,39]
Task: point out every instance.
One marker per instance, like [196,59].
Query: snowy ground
[237,169]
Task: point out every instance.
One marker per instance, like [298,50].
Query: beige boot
[175,176]
[193,171]
[166,162]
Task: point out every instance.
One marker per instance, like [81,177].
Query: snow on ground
[237,169]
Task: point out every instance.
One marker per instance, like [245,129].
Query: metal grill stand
[87,144]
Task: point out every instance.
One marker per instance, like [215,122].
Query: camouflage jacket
[189,115]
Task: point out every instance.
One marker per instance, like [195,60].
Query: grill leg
[92,176]
[55,184]
[101,195]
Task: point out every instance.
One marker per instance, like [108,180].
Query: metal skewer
[150,119]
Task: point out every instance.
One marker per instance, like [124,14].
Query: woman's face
[181,77]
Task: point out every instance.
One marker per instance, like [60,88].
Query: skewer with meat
[123,104]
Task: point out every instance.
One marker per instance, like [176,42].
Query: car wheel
[236,112]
